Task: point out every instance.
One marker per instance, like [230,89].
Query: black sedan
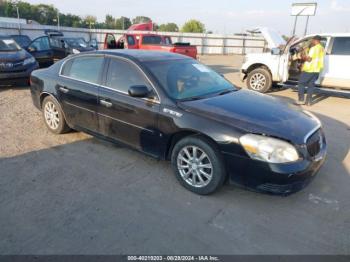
[16,64]
[172,107]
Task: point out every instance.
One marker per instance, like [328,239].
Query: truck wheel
[198,165]
[259,80]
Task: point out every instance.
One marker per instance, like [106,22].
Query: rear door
[336,73]
[40,48]
[77,90]
[125,118]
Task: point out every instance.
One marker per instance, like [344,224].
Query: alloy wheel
[51,115]
[195,166]
[257,82]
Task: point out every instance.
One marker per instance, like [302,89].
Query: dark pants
[307,80]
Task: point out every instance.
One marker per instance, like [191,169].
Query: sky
[219,16]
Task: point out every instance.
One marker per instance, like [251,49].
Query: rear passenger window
[122,75]
[151,40]
[341,46]
[86,69]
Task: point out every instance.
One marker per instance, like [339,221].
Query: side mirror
[139,91]
[31,49]
[275,51]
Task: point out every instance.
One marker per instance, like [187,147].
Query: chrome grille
[314,143]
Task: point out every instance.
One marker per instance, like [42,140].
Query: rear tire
[53,116]
[259,80]
[198,165]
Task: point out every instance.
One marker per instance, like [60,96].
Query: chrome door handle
[106,103]
[63,89]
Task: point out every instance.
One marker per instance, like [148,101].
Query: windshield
[9,45]
[188,79]
[75,42]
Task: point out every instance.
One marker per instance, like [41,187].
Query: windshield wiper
[225,92]
[192,98]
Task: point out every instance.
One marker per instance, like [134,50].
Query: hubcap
[257,81]
[51,115]
[194,166]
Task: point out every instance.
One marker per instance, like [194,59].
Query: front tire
[259,80]
[53,116]
[198,165]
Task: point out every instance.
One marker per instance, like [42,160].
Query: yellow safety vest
[316,65]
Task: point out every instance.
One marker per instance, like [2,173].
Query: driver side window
[40,44]
[121,75]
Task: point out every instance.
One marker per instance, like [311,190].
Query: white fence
[206,43]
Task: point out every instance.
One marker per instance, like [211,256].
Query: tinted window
[151,40]
[131,40]
[41,44]
[187,79]
[84,68]
[56,42]
[341,46]
[122,75]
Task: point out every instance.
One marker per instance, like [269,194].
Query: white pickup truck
[262,70]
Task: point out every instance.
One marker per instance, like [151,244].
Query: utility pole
[18,19]
[58,20]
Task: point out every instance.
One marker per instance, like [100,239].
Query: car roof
[144,55]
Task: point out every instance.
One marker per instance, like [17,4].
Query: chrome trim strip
[127,94]
[121,121]
[308,135]
[83,108]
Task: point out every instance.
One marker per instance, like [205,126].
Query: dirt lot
[74,194]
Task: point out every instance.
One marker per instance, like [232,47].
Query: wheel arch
[176,137]
[43,95]
[256,66]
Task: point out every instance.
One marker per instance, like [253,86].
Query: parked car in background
[22,40]
[149,41]
[54,46]
[16,64]
[172,107]
[278,66]
[93,43]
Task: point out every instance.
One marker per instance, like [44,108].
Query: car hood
[14,56]
[255,113]
[273,39]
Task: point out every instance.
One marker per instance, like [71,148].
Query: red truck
[149,41]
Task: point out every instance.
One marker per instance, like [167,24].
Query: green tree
[122,23]
[193,26]
[169,27]
[89,21]
[141,19]
[110,22]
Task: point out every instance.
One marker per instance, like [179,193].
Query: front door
[77,90]
[125,118]
[41,50]
[59,47]
[335,73]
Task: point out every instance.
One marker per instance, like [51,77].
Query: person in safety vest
[313,65]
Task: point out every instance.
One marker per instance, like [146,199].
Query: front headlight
[269,149]
[29,61]
[75,51]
